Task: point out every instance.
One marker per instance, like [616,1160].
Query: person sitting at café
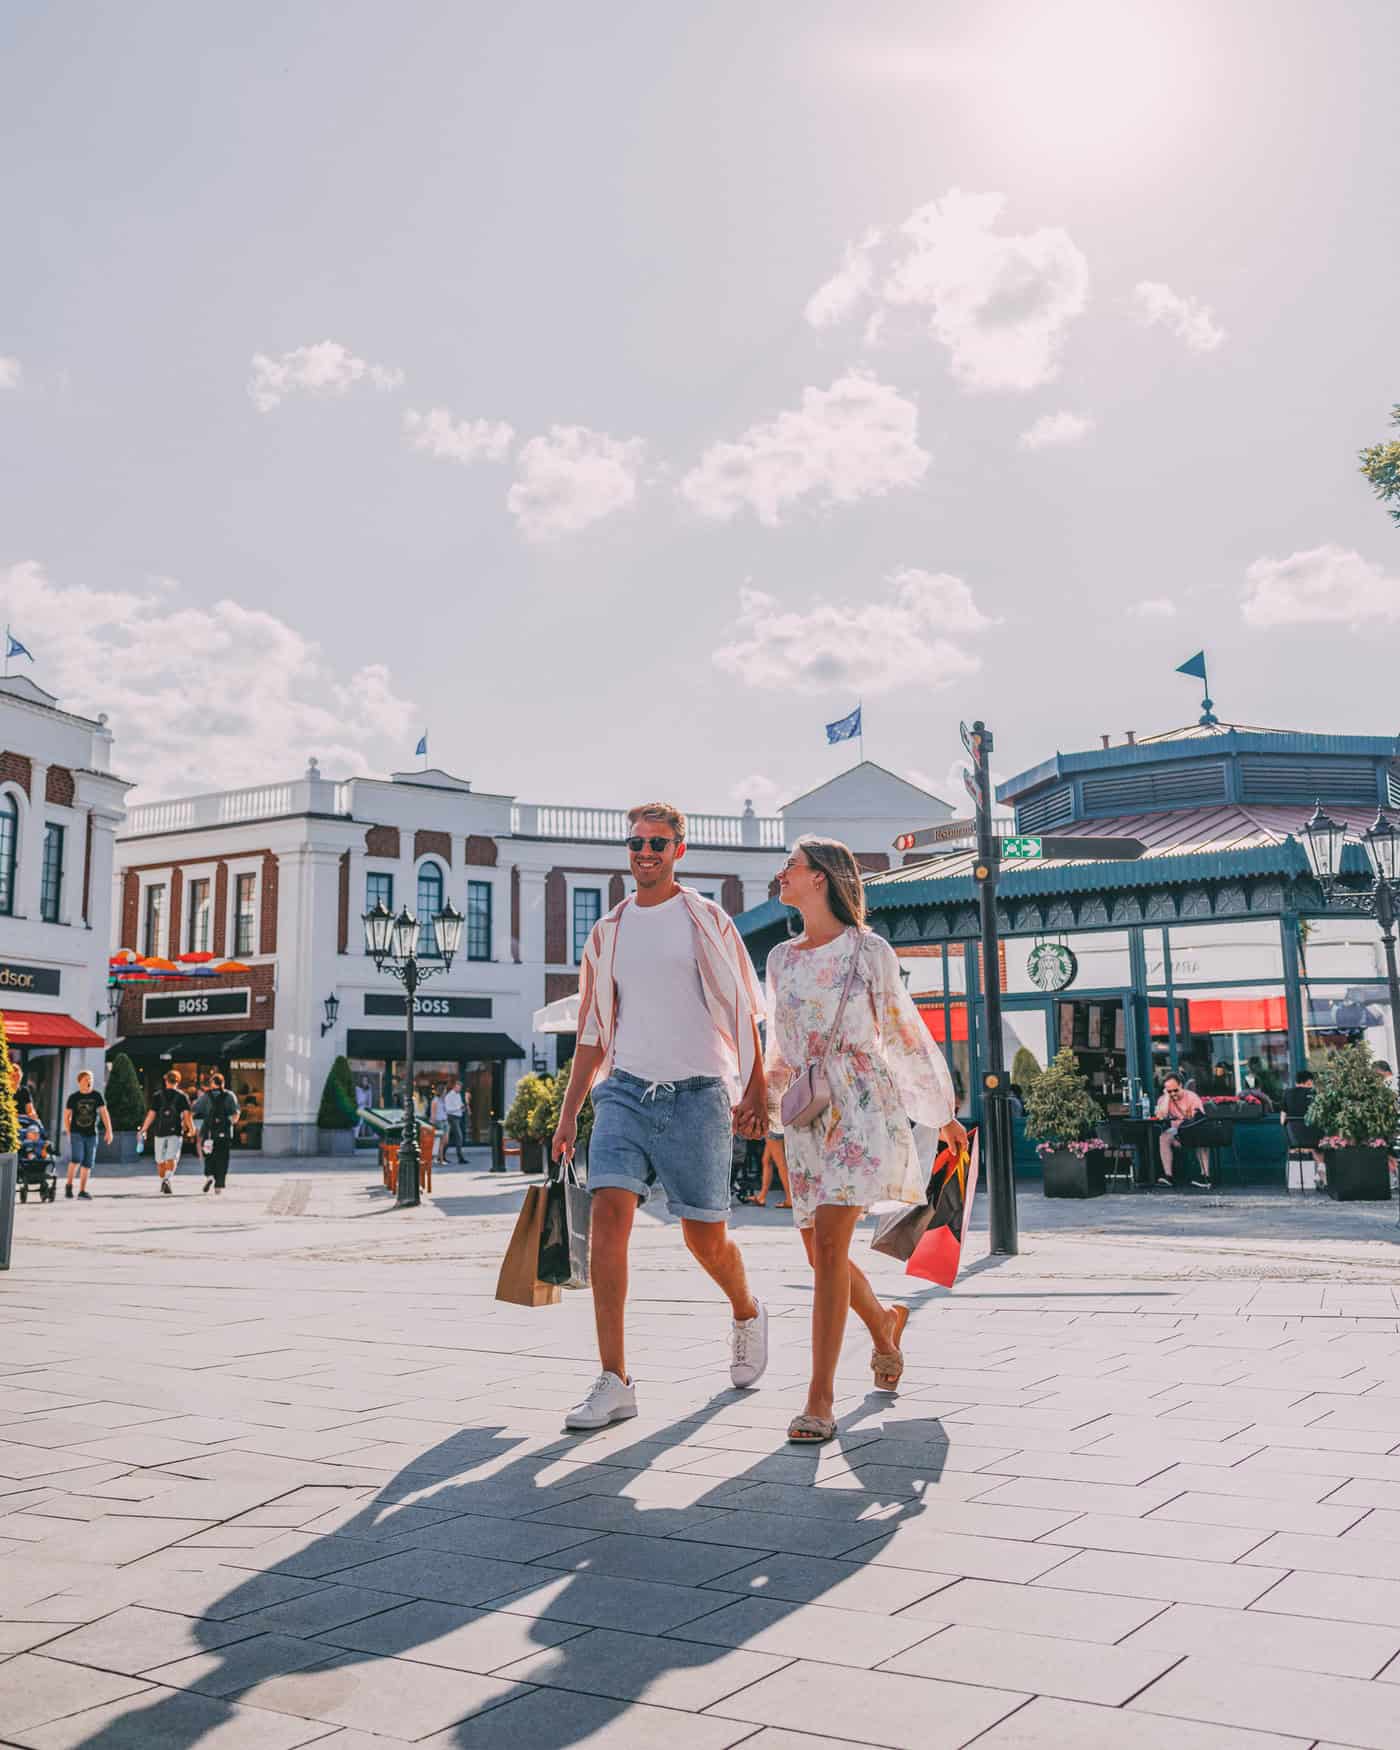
[1222,1083]
[1177,1106]
[1294,1117]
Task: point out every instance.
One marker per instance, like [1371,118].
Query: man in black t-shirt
[81,1115]
[1294,1118]
[23,1091]
[170,1118]
[215,1112]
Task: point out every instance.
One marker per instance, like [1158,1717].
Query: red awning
[1227,1015]
[47,1027]
[933,1020]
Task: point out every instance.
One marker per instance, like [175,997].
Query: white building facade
[60,807]
[277,877]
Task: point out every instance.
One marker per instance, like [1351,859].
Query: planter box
[335,1142]
[1074,1175]
[531,1156]
[120,1151]
[9,1169]
[1358,1175]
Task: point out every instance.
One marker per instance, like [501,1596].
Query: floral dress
[884,1072]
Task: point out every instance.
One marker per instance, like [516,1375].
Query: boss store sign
[207,1005]
[430,1008]
[35,981]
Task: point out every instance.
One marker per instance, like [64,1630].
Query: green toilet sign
[1021,847]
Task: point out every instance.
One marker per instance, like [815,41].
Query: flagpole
[860,706]
[7,650]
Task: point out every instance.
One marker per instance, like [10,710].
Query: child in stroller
[36,1170]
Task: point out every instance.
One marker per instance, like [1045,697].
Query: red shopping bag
[939,1252]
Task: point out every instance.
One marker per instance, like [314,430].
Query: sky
[620,393]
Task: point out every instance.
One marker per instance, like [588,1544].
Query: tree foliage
[1059,1106]
[1025,1067]
[554,1106]
[126,1102]
[338,1110]
[9,1118]
[1352,1101]
[1380,463]
[528,1110]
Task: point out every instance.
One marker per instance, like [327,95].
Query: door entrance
[1096,1030]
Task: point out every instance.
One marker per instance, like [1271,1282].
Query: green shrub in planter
[1357,1116]
[126,1099]
[1025,1068]
[1059,1106]
[554,1108]
[530,1092]
[338,1110]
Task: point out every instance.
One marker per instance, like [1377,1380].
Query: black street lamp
[1324,840]
[392,943]
[331,1005]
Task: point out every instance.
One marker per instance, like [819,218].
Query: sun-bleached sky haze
[621,392]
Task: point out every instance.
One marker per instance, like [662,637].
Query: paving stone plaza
[277,1470]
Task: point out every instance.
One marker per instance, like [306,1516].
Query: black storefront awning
[385,1043]
[196,1047]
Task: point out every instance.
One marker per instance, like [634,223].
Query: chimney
[1132,737]
[1106,739]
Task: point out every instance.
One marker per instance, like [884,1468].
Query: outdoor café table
[1140,1135]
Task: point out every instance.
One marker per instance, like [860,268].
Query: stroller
[36,1170]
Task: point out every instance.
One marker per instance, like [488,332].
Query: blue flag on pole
[1195,666]
[15,648]
[844,728]
[422,746]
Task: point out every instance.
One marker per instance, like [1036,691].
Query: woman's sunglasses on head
[657,845]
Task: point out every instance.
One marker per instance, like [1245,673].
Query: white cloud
[1001,303]
[1187,318]
[570,477]
[765,794]
[864,647]
[460,440]
[1155,607]
[11,372]
[200,697]
[857,439]
[1053,429]
[1325,585]
[327,368]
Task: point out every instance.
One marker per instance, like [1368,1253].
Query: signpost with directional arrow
[990,852]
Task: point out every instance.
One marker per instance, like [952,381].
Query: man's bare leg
[609,1235]
[715,1252]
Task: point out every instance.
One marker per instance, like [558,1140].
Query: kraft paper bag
[519,1282]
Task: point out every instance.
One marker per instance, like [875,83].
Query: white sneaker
[609,1400]
[748,1348]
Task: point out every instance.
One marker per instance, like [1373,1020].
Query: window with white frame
[245,913]
[51,874]
[154,923]
[478,920]
[588,908]
[197,930]
[429,905]
[9,853]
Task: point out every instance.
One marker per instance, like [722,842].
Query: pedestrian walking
[457,1106]
[171,1120]
[23,1090]
[437,1117]
[84,1107]
[835,997]
[215,1113]
[770,1161]
[669,1008]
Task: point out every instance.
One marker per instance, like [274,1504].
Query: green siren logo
[1051,966]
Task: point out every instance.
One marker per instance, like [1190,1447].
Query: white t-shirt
[664,1030]
[452,1103]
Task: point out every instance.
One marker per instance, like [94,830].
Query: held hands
[751,1115]
[565,1139]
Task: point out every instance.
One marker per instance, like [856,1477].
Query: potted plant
[338,1117]
[554,1106]
[1060,1117]
[126,1107]
[1357,1116]
[525,1121]
[9,1151]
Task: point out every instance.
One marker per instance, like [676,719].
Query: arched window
[429,905]
[9,848]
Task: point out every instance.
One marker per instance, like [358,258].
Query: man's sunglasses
[657,845]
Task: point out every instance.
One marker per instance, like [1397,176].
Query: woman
[884,1071]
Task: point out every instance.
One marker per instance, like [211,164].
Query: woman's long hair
[844,889]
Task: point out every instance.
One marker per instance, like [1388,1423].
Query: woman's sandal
[888,1364]
[811,1430]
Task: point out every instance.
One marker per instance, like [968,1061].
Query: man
[215,1112]
[669,1008]
[80,1116]
[171,1118]
[1294,1119]
[1176,1106]
[457,1106]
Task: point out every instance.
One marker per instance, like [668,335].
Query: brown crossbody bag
[808,1095]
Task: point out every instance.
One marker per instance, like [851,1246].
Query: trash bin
[9,1177]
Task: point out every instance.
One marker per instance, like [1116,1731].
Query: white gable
[865,807]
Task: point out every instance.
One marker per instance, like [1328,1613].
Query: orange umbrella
[124,957]
[196,957]
[154,963]
[232,966]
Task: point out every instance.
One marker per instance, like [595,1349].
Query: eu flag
[422,746]
[844,728]
[15,648]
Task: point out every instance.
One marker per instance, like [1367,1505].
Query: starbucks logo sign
[1051,966]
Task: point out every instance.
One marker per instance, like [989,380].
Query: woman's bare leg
[830,1253]
[877,1318]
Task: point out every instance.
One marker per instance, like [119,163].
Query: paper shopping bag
[898,1232]
[563,1258]
[938,1254]
[519,1282]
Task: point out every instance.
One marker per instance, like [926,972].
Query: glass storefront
[379,1082]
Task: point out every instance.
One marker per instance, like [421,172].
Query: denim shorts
[678,1134]
[82,1150]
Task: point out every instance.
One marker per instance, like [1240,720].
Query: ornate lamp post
[1324,839]
[392,943]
